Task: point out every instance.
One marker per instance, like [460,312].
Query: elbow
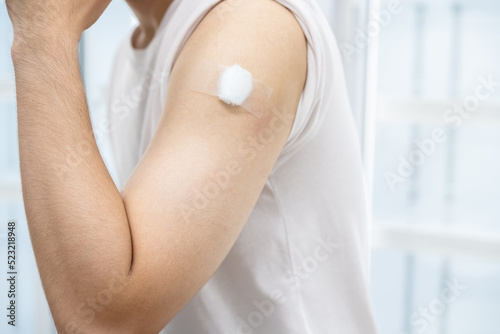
[122,306]
[92,317]
[132,323]
[126,324]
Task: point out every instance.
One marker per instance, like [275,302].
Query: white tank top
[300,265]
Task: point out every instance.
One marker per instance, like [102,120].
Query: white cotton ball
[235,85]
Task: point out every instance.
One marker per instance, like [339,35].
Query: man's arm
[127,263]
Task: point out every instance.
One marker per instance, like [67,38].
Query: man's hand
[36,21]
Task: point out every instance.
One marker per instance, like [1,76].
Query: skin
[149,13]
[127,262]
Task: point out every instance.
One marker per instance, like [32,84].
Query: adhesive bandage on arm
[233,85]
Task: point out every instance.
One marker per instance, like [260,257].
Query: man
[227,223]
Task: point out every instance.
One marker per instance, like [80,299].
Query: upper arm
[198,181]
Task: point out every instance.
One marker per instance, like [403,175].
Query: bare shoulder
[262,36]
[261,16]
[265,22]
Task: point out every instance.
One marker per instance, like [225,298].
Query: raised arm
[127,263]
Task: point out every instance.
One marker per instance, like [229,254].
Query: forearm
[77,219]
